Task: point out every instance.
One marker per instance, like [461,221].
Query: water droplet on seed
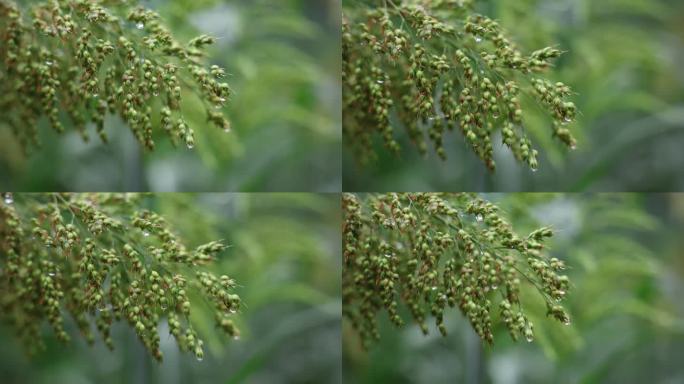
[380,81]
[191,146]
[529,339]
[200,358]
[236,337]
[8,198]
[479,217]
[51,274]
[478,38]
[48,63]
[566,322]
[145,233]
[140,25]
[434,288]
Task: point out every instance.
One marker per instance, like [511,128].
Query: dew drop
[478,38]
[8,198]
[534,169]
[145,233]
[529,339]
[48,63]
[380,81]
[236,337]
[495,287]
[434,288]
[156,93]
[200,358]
[232,310]
[566,321]
[191,146]
[51,274]
[140,25]
[388,255]
[567,119]
[573,146]
[479,217]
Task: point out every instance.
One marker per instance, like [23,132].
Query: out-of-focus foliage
[623,253]
[282,60]
[284,253]
[622,59]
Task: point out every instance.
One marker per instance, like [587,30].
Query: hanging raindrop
[8,198]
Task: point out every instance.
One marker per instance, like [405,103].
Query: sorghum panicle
[430,252]
[98,258]
[76,60]
[435,65]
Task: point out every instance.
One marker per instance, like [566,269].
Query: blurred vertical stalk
[140,364]
[133,178]
[474,371]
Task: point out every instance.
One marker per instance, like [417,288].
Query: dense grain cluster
[434,65]
[98,258]
[429,252]
[78,60]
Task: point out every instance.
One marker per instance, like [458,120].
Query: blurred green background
[625,258]
[282,58]
[623,59]
[284,255]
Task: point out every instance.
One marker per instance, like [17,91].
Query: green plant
[102,258]
[431,251]
[84,58]
[433,65]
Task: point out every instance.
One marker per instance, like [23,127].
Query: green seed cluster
[428,252]
[98,258]
[434,65]
[78,60]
